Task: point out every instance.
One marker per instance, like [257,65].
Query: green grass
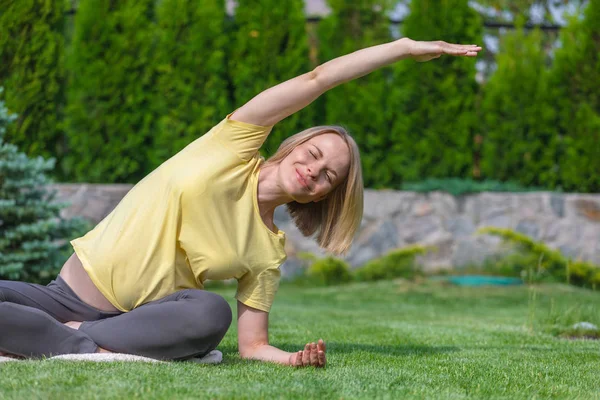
[385,340]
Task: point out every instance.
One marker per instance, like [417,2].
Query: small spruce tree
[32,245]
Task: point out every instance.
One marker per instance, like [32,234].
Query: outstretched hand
[425,51]
[312,355]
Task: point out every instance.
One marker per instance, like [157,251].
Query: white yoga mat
[214,357]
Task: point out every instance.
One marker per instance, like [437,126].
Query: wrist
[404,48]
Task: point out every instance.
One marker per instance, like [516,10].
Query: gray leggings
[189,323]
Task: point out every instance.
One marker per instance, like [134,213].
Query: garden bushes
[269,45]
[32,71]
[121,86]
[111,121]
[516,115]
[575,81]
[435,119]
[534,261]
[191,68]
[361,105]
[398,263]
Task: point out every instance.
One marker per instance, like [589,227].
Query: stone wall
[393,219]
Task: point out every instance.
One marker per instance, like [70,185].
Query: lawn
[385,340]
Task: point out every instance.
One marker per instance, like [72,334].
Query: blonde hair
[337,217]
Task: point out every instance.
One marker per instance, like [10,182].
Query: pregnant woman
[135,282]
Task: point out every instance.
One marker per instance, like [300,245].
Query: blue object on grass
[481,280]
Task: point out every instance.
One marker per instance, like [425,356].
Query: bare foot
[76,325]
[101,350]
[73,324]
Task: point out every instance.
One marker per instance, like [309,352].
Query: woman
[133,284]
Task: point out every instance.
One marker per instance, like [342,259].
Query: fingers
[321,345]
[312,355]
[314,358]
[298,359]
[306,355]
[469,50]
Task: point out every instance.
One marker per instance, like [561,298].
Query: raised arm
[280,101]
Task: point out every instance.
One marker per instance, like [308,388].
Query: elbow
[312,75]
[319,75]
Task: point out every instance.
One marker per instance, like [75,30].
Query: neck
[270,194]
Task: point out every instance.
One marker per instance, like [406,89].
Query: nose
[309,172]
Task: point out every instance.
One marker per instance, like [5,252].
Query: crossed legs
[38,321]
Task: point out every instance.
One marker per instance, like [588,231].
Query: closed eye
[326,175]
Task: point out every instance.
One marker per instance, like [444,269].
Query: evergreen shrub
[110,119]
[435,121]
[360,105]
[269,46]
[329,271]
[191,74]
[534,261]
[458,186]
[574,83]
[519,142]
[32,240]
[33,73]
[395,264]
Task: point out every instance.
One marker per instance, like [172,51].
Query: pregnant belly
[80,282]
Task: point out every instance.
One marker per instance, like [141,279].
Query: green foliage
[110,120]
[192,82]
[32,71]
[535,261]
[519,142]
[458,187]
[395,264]
[270,45]
[361,105]
[329,271]
[139,80]
[435,121]
[32,246]
[574,80]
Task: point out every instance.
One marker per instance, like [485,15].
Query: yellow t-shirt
[193,218]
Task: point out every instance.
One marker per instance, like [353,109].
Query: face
[315,168]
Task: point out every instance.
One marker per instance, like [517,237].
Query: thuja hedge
[32,71]
[269,45]
[112,116]
[435,119]
[360,105]
[519,88]
[575,84]
[144,78]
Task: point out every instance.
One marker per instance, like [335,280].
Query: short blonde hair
[338,216]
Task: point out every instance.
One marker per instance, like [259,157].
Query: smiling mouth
[301,180]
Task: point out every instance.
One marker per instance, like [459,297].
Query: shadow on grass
[348,348]
[400,350]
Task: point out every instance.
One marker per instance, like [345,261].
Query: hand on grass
[425,51]
[312,355]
